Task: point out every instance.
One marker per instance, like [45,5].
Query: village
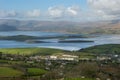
[62,57]
[60,65]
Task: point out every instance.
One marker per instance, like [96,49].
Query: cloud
[52,13]
[14,14]
[33,13]
[73,10]
[7,14]
[56,12]
[59,12]
[109,9]
[94,10]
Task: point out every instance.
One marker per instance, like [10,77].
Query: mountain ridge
[98,27]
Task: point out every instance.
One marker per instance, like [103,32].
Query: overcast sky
[72,10]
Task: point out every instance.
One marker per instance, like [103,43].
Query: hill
[103,49]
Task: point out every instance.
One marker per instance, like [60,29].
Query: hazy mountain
[61,26]
[5,27]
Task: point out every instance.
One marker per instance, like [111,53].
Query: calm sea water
[102,39]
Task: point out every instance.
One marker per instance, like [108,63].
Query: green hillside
[103,49]
[30,51]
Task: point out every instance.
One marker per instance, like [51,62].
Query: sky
[72,10]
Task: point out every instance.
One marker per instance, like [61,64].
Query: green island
[75,41]
[99,62]
[27,37]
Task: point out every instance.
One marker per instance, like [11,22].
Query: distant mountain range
[97,27]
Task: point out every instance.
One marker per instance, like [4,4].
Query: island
[75,41]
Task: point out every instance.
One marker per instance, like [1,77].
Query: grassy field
[35,71]
[30,51]
[9,72]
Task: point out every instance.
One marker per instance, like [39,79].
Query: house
[63,57]
[103,58]
[53,57]
[68,57]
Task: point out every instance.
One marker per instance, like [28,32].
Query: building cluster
[64,57]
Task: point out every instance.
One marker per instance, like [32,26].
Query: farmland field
[9,72]
[35,71]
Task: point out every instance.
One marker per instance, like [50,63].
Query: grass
[35,71]
[103,49]
[9,72]
[79,79]
[30,51]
